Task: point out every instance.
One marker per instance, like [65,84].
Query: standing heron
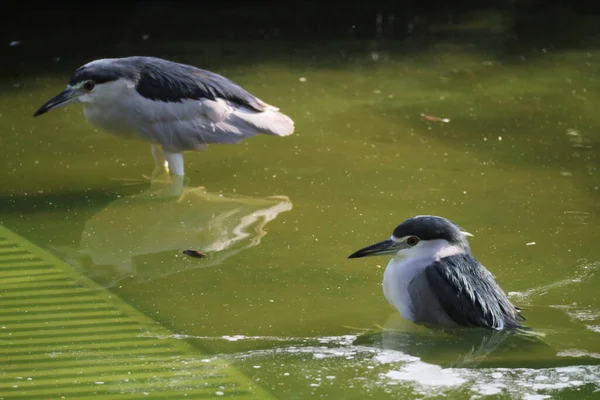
[173,106]
[433,279]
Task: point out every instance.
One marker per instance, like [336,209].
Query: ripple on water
[390,369]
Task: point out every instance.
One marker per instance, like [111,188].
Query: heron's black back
[470,294]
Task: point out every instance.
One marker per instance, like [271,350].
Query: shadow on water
[142,236]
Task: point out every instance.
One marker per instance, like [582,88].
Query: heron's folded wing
[163,81]
[470,295]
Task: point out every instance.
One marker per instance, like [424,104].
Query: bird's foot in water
[160,173]
[169,186]
[161,185]
[160,176]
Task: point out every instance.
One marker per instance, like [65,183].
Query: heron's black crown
[429,227]
[102,73]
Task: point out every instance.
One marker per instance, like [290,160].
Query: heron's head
[423,236]
[100,80]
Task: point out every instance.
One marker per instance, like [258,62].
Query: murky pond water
[516,165]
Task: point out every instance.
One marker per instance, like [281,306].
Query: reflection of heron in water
[457,347]
[143,236]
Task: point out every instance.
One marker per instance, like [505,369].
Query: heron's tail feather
[271,121]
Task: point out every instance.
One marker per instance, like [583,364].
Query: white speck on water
[551,386]
[427,375]
[345,340]
[330,377]
[219,393]
[302,79]
[569,370]
[530,244]
[256,367]
[234,338]
[593,328]
[392,356]
[99,383]
[14,43]
[490,389]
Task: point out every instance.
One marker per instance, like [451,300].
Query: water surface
[516,165]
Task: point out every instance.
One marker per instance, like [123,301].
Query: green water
[276,296]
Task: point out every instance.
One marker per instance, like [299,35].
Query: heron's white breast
[409,263]
[396,278]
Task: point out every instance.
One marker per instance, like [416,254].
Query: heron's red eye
[89,86]
[412,241]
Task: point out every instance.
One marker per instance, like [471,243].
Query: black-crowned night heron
[434,280]
[175,107]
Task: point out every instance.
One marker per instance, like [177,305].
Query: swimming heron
[176,107]
[433,279]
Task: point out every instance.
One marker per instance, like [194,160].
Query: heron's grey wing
[172,82]
[220,87]
[193,107]
[470,295]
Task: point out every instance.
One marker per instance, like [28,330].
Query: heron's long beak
[62,99]
[385,247]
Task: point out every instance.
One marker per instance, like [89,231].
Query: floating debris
[577,139]
[14,43]
[432,118]
[194,253]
